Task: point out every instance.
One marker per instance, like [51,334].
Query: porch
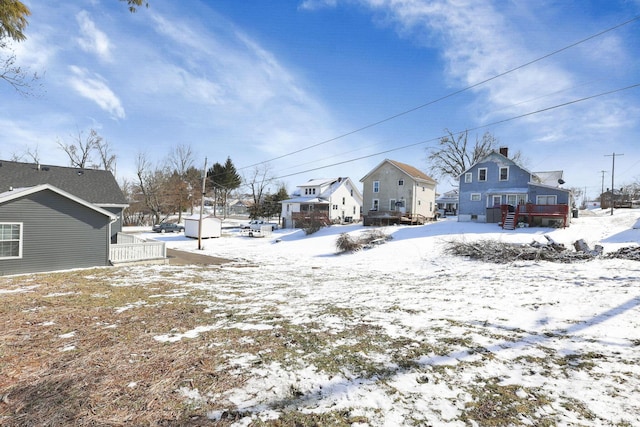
[376,217]
[511,215]
[130,249]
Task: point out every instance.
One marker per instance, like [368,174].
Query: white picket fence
[130,248]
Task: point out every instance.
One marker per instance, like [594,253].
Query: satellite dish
[561,181]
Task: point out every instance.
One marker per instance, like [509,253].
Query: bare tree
[33,154]
[107,159]
[80,152]
[151,182]
[454,154]
[180,161]
[257,180]
[22,80]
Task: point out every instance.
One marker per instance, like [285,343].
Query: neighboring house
[496,187]
[448,202]
[97,187]
[619,197]
[44,228]
[335,200]
[395,192]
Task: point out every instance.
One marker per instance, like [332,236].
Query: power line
[564,104]
[411,110]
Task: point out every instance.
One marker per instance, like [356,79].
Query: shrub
[346,243]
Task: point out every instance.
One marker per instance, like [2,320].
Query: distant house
[97,187]
[395,192]
[616,199]
[448,202]
[496,189]
[332,200]
[43,228]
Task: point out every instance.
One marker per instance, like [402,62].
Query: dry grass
[107,369]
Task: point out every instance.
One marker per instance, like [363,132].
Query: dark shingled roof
[95,186]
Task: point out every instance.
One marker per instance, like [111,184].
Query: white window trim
[376,186]
[392,204]
[468,177]
[500,173]
[375,202]
[486,172]
[20,240]
[476,194]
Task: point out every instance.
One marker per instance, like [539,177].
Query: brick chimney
[504,151]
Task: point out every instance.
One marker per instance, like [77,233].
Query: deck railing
[531,210]
[130,248]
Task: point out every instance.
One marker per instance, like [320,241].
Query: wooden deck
[511,214]
[393,218]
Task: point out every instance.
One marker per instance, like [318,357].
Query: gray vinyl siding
[58,234]
[116,226]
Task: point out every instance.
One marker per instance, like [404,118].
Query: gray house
[496,189]
[43,228]
[97,187]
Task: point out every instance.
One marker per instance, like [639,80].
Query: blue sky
[259,80]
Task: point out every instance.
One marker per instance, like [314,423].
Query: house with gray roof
[98,187]
[56,218]
[497,189]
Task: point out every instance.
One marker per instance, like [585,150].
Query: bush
[346,243]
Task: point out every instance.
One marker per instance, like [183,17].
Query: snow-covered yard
[404,334]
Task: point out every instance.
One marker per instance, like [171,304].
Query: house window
[430,206]
[314,191]
[375,205]
[468,177]
[504,173]
[306,191]
[10,240]
[392,204]
[344,200]
[401,182]
[482,174]
[522,200]
[476,197]
[376,186]
[547,200]
[354,210]
[511,199]
[497,200]
[335,207]
[351,192]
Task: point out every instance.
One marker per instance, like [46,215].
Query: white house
[333,200]
[211,226]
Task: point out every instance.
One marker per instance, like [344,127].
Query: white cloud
[93,40]
[97,90]
[317,4]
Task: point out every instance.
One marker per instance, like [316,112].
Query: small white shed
[211,226]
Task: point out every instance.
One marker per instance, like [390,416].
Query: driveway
[177,257]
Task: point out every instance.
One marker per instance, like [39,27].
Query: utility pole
[602,187]
[204,180]
[613,168]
